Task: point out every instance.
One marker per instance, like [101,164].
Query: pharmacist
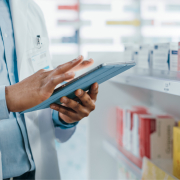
[27,149]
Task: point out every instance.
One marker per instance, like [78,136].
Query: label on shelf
[167,86]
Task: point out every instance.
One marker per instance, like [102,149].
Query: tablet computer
[99,74]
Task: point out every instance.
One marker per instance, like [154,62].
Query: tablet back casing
[103,73]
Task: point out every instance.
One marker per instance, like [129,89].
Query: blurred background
[118,30]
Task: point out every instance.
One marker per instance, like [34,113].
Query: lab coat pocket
[1,174]
[38,53]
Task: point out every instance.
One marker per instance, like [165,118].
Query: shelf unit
[158,90]
[113,151]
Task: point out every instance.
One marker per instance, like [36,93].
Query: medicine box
[143,60]
[176,152]
[128,53]
[165,57]
[160,56]
[173,61]
[156,135]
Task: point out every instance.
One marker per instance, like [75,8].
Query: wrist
[61,119]
[8,98]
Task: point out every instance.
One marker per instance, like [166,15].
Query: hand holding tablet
[99,74]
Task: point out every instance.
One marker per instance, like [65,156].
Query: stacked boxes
[161,56]
[142,134]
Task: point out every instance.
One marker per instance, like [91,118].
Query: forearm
[38,87]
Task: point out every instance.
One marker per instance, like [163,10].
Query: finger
[66,111]
[54,81]
[83,65]
[67,66]
[85,99]
[81,110]
[94,91]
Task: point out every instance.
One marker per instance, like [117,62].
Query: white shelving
[75,24]
[113,151]
[166,84]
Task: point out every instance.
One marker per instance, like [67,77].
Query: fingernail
[89,59]
[79,92]
[79,57]
[53,107]
[70,73]
[64,100]
[96,86]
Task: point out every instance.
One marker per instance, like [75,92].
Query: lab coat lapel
[39,123]
[19,18]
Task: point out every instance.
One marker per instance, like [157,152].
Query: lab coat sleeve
[4,113]
[60,123]
[63,131]
[64,135]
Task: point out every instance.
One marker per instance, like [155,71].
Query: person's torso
[15,160]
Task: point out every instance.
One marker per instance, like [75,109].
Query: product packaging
[156,134]
[136,53]
[120,116]
[152,171]
[128,53]
[178,69]
[127,132]
[173,62]
[176,152]
[161,56]
[132,126]
[125,125]
[165,57]
[143,60]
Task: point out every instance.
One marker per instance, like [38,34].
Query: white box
[130,127]
[160,56]
[173,57]
[143,60]
[128,53]
[156,135]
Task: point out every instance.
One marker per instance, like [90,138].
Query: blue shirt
[16,153]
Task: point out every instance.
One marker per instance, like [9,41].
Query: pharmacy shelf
[168,84]
[113,151]
[75,24]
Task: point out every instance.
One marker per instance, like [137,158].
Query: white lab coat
[28,22]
